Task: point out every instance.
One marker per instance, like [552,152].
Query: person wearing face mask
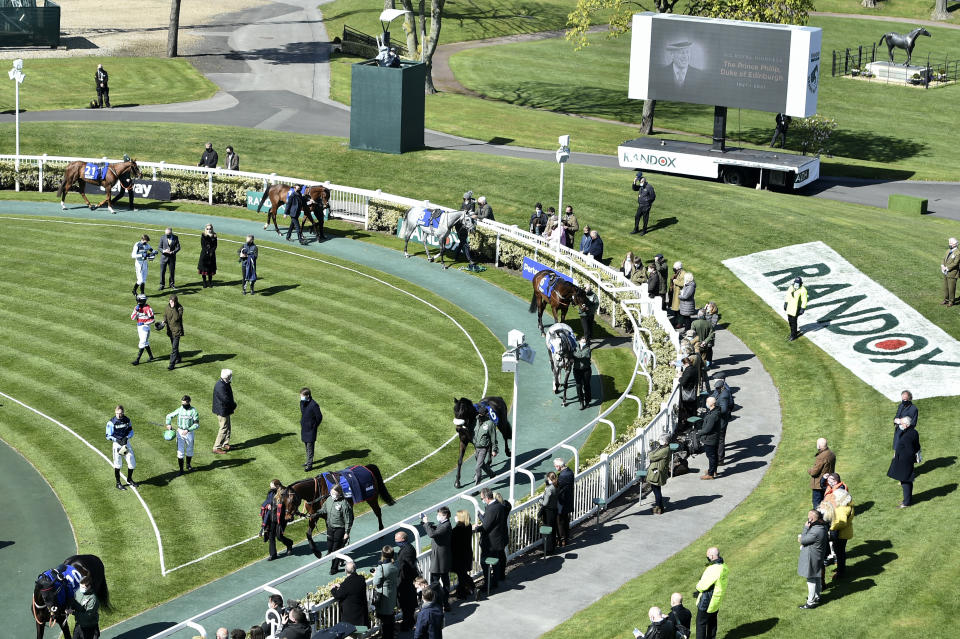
[188,420]
[274,520]
[173,321]
[795,304]
[248,264]
[310,418]
[169,247]
[86,611]
[338,513]
[582,372]
[906,408]
[906,452]
[441,552]
[538,220]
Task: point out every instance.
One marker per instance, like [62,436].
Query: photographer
[298,628]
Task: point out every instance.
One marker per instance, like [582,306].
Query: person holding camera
[441,552]
[120,432]
[298,628]
[645,198]
[142,254]
[906,408]
[795,304]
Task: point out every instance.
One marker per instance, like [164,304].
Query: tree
[621,11]
[174,30]
[940,11]
[427,44]
[814,133]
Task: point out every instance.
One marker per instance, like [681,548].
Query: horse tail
[266,194]
[533,300]
[882,38]
[94,567]
[381,487]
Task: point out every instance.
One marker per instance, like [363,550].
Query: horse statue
[360,483]
[561,342]
[314,195]
[54,590]
[105,175]
[465,414]
[904,41]
[436,224]
[548,286]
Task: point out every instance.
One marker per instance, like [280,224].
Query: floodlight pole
[563,154]
[16,74]
[511,364]
[513,438]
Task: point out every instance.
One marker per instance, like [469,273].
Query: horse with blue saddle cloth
[437,224]
[101,174]
[359,484]
[549,286]
[465,415]
[54,591]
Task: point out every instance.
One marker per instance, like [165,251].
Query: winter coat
[688,303]
[714,575]
[385,578]
[352,597]
[908,409]
[710,427]
[661,267]
[843,521]
[461,542]
[441,552]
[310,418]
[173,320]
[905,449]
[813,550]
[565,482]
[223,404]
[208,254]
[795,301]
[825,462]
[677,283]
[659,468]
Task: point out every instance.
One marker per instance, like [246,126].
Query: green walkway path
[542,421]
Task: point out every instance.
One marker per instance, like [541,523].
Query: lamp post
[563,154]
[519,351]
[16,74]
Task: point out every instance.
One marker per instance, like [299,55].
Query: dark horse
[313,492]
[315,195]
[53,587]
[74,174]
[561,294]
[465,414]
[903,41]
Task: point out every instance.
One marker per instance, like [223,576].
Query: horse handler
[86,612]
[338,512]
[274,521]
[485,432]
[188,420]
[120,432]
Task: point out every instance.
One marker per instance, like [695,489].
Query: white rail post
[605,476]
[40,171]
[496,255]
[210,187]
[197,627]
[533,480]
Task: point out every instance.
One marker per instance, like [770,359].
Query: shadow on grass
[933,493]
[165,478]
[933,464]
[262,440]
[662,223]
[356,453]
[753,628]
[858,145]
[273,290]
[206,359]
[859,509]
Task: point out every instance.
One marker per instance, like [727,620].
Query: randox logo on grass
[882,340]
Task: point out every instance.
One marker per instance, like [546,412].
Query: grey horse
[903,41]
[418,216]
[561,342]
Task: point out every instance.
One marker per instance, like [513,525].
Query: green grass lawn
[537,75]
[916,9]
[899,556]
[303,328]
[67,83]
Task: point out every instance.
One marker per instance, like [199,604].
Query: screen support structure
[719,129]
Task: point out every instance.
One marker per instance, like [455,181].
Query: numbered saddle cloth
[66,580]
[430,219]
[491,411]
[549,283]
[94,171]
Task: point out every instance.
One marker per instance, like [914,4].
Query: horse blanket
[549,283]
[66,580]
[491,411]
[430,219]
[562,338]
[94,171]
[357,483]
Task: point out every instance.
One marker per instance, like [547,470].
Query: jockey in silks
[188,420]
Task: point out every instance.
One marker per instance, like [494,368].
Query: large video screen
[725,62]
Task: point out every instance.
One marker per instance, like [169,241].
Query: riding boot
[180,464]
[134,289]
[251,288]
[149,354]
[243,287]
[130,478]
[116,475]
[143,287]
[189,466]
[139,355]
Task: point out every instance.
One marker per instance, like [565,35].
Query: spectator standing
[173,322]
[813,550]
[710,437]
[553,221]
[485,436]
[298,627]
[653,284]
[906,408]
[441,552]
[661,266]
[143,315]
[585,240]
[841,529]
[780,132]
[582,372]
[223,407]
[310,418]
[833,485]
[705,334]
[223,633]
[724,397]
[589,314]
[795,304]
[538,220]
[461,542]
[406,562]
[645,198]
[486,211]
[274,520]
[710,591]
[658,471]
[661,626]
[632,268]
[595,248]
[142,253]
[385,577]
[565,487]
[824,462]
[275,616]
[207,264]
[712,314]
[248,264]
[677,286]
[493,539]
[351,597]
[233,160]
[338,513]
[680,615]
[86,610]
[430,619]
[238,633]
[906,452]
[689,378]
[209,158]
[950,267]
[102,79]
[570,225]
[120,432]
[188,420]
[688,301]
[256,632]
[548,511]
[169,247]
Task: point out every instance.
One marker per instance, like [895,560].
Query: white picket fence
[604,481]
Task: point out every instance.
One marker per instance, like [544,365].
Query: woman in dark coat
[207,264]
[351,595]
[248,264]
[688,389]
[462,547]
[906,447]
[274,521]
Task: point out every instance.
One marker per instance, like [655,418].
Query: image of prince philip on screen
[678,77]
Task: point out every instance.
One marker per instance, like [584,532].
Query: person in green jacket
[795,303]
[582,371]
[709,594]
[188,420]
[657,472]
[86,612]
[338,512]
[385,578]
[484,437]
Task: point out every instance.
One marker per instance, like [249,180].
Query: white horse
[561,342]
[435,224]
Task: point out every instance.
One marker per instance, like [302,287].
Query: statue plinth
[897,72]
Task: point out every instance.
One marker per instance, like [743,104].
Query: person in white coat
[142,254]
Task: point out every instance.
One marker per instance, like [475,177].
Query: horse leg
[427,249]
[375,508]
[463,450]
[541,304]
[109,199]
[312,523]
[82,188]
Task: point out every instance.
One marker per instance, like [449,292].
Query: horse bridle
[120,180]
